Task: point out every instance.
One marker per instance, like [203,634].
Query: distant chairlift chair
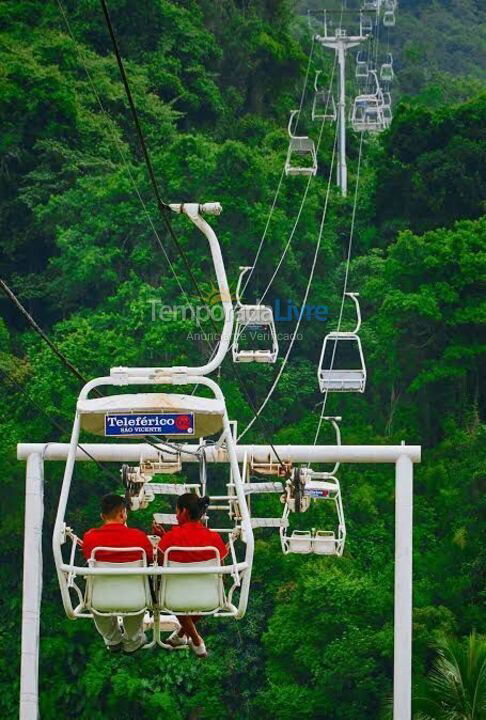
[306,486]
[386,71]
[323,105]
[331,374]
[301,147]
[366,24]
[257,318]
[361,66]
[367,111]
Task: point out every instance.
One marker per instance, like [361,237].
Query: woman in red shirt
[190,532]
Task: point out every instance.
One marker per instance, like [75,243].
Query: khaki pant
[109,629]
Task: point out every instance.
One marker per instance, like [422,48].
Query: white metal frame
[332,379]
[253,315]
[67,571]
[323,104]
[401,456]
[301,145]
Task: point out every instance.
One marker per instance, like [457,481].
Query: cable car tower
[337,39]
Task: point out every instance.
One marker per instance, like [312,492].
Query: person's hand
[158,529]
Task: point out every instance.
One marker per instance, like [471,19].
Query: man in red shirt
[190,532]
[115,533]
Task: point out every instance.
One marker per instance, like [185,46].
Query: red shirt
[118,536]
[192,534]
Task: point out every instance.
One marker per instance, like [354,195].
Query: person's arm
[158,529]
[221,546]
[88,544]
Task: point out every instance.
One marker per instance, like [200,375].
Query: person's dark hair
[196,506]
[112,504]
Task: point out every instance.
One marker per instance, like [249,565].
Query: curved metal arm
[243,270]
[354,297]
[193,212]
[293,113]
[316,88]
[334,420]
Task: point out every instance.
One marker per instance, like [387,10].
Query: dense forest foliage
[213,82]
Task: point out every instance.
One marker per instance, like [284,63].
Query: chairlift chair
[366,24]
[306,486]
[367,114]
[361,66]
[323,105]
[386,71]
[121,588]
[389,18]
[370,5]
[255,318]
[301,147]
[334,373]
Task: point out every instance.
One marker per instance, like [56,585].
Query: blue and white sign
[123,424]
[316,493]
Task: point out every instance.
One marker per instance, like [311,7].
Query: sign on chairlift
[314,492]
[123,424]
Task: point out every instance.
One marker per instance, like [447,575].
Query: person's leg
[188,628]
[108,628]
[134,636]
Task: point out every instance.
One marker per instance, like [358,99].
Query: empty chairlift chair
[301,154]
[256,320]
[371,5]
[361,66]
[366,24]
[306,486]
[323,105]
[341,365]
[386,71]
[389,18]
[367,111]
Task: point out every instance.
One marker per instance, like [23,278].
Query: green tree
[456,686]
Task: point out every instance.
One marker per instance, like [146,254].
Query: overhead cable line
[164,207]
[306,295]
[58,425]
[127,167]
[294,228]
[15,301]
[282,175]
[345,283]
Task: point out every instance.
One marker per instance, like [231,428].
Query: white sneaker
[199,650]
[175,640]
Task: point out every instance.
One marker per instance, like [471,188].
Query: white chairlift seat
[117,594]
[136,415]
[255,318]
[389,18]
[192,593]
[301,154]
[300,542]
[371,5]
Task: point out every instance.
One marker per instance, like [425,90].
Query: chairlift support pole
[340,43]
[402,456]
